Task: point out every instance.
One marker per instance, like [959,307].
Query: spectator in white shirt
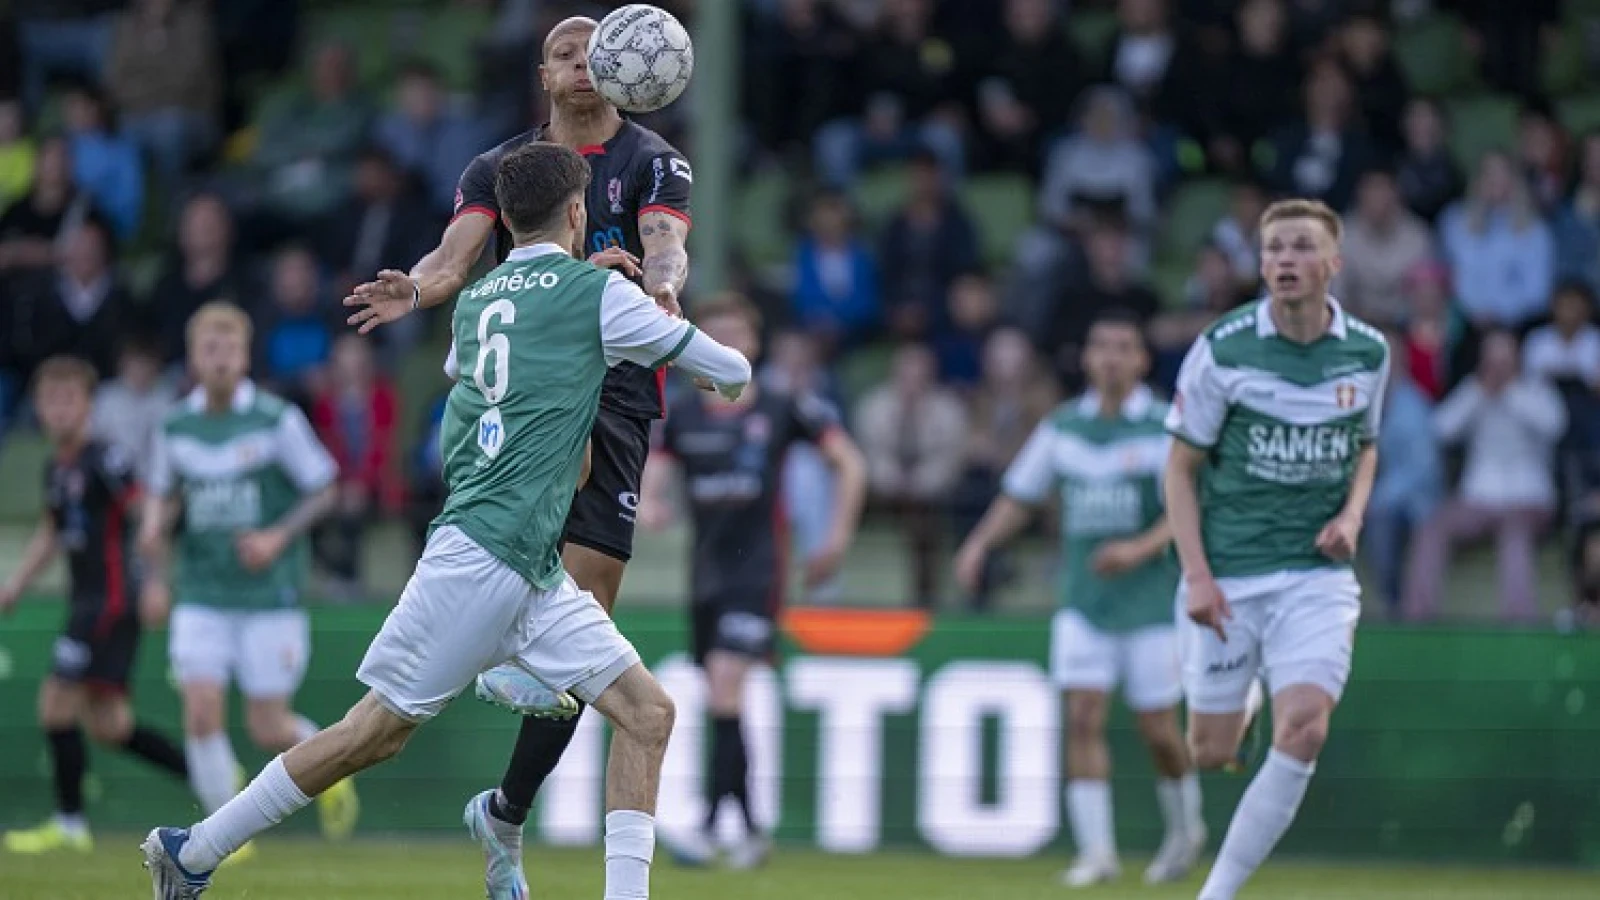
[1569,347]
[129,408]
[1509,424]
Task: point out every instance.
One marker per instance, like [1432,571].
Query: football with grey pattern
[640,58]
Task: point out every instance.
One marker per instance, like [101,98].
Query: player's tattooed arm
[666,261]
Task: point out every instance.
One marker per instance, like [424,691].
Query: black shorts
[745,623]
[603,512]
[96,649]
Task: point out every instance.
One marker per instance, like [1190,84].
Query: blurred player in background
[89,496]
[1276,419]
[241,475]
[1105,452]
[731,459]
[637,203]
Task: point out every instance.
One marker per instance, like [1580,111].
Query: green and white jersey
[1283,424]
[533,340]
[237,471]
[1108,470]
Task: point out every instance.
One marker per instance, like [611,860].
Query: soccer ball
[640,58]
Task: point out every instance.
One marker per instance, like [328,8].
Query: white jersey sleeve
[1032,474]
[308,463]
[634,329]
[158,475]
[1200,404]
[1380,389]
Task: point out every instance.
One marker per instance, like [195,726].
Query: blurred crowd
[156,154]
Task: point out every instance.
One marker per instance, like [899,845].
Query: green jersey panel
[1283,425]
[529,349]
[234,472]
[1107,470]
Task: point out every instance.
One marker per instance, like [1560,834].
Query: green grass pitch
[292,869]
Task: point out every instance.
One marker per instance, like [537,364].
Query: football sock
[730,766]
[265,802]
[69,760]
[540,744]
[630,842]
[1180,805]
[1264,814]
[155,748]
[213,770]
[1089,812]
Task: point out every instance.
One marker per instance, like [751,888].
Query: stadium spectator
[793,365]
[1027,79]
[801,62]
[129,409]
[201,267]
[425,496]
[1568,347]
[427,138]
[1509,424]
[1111,282]
[1320,155]
[1012,396]
[1382,242]
[912,432]
[974,313]
[1433,329]
[1544,152]
[909,83]
[1511,39]
[31,228]
[1210,290]
[309,141]
[1362,45]
[1410,482]
[1257,87]
[104,163]
[926,244]
[1238,234]
[1105,167]
[1501,256]
[356,414]
[165,76]
[77,309]
[1428,175]
[835,294]
[1151,59]
[62,38]
[17,152]
[295,336]
[1577,226]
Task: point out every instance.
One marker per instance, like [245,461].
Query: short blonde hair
[1305,209]
[219,315]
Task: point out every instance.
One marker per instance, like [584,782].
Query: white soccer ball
[640,58]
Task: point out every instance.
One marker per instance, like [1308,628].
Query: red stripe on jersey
[116,597]
[476,210]
[661,390]
[592,150]
[657,207]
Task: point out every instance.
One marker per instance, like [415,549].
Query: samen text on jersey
[234,472]
[1283,424]
[1109,473]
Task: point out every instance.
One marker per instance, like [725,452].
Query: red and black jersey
[732,461]
[90,498]
[634,173]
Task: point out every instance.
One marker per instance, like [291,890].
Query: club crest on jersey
[614,194]
[491,432]
[1345,395]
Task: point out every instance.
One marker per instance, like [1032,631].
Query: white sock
[1089,812]
[509,833]
[1264,814]
[268,800]
[1180,805]
[304,729]
[213,770]
[630,843]
[72,823]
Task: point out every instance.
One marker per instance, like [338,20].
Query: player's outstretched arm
[42,548]
[1116,557]
[850,495]
[435,279]
[634,329]
[1003,520]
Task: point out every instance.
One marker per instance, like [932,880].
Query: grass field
[376,870]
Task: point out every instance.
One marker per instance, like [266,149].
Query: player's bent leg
[214,773]
[1083,664]
[60,705]
[111,722]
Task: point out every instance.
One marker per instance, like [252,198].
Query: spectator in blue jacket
[835,295]
[1500,252]
[105,164]
[1577,230]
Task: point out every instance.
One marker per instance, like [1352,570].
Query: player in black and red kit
[730,456]
[639,216]
[89,491]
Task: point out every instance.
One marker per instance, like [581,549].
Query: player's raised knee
[1302,734]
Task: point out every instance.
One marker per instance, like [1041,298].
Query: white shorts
[1290,627]
[1084,658]
[265,650]
[465,611]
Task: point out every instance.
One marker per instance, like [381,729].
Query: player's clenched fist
[1339,537]
[1207,607]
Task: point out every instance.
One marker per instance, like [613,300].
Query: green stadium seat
[1168,279]
[761,227]
[1192,213]
[1561,71]
[1479,124]
[448,38]
[1431,54]
[368,28]
[1580,114]
[879,194]
[1092,32]
[1002,209]
[23,455]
